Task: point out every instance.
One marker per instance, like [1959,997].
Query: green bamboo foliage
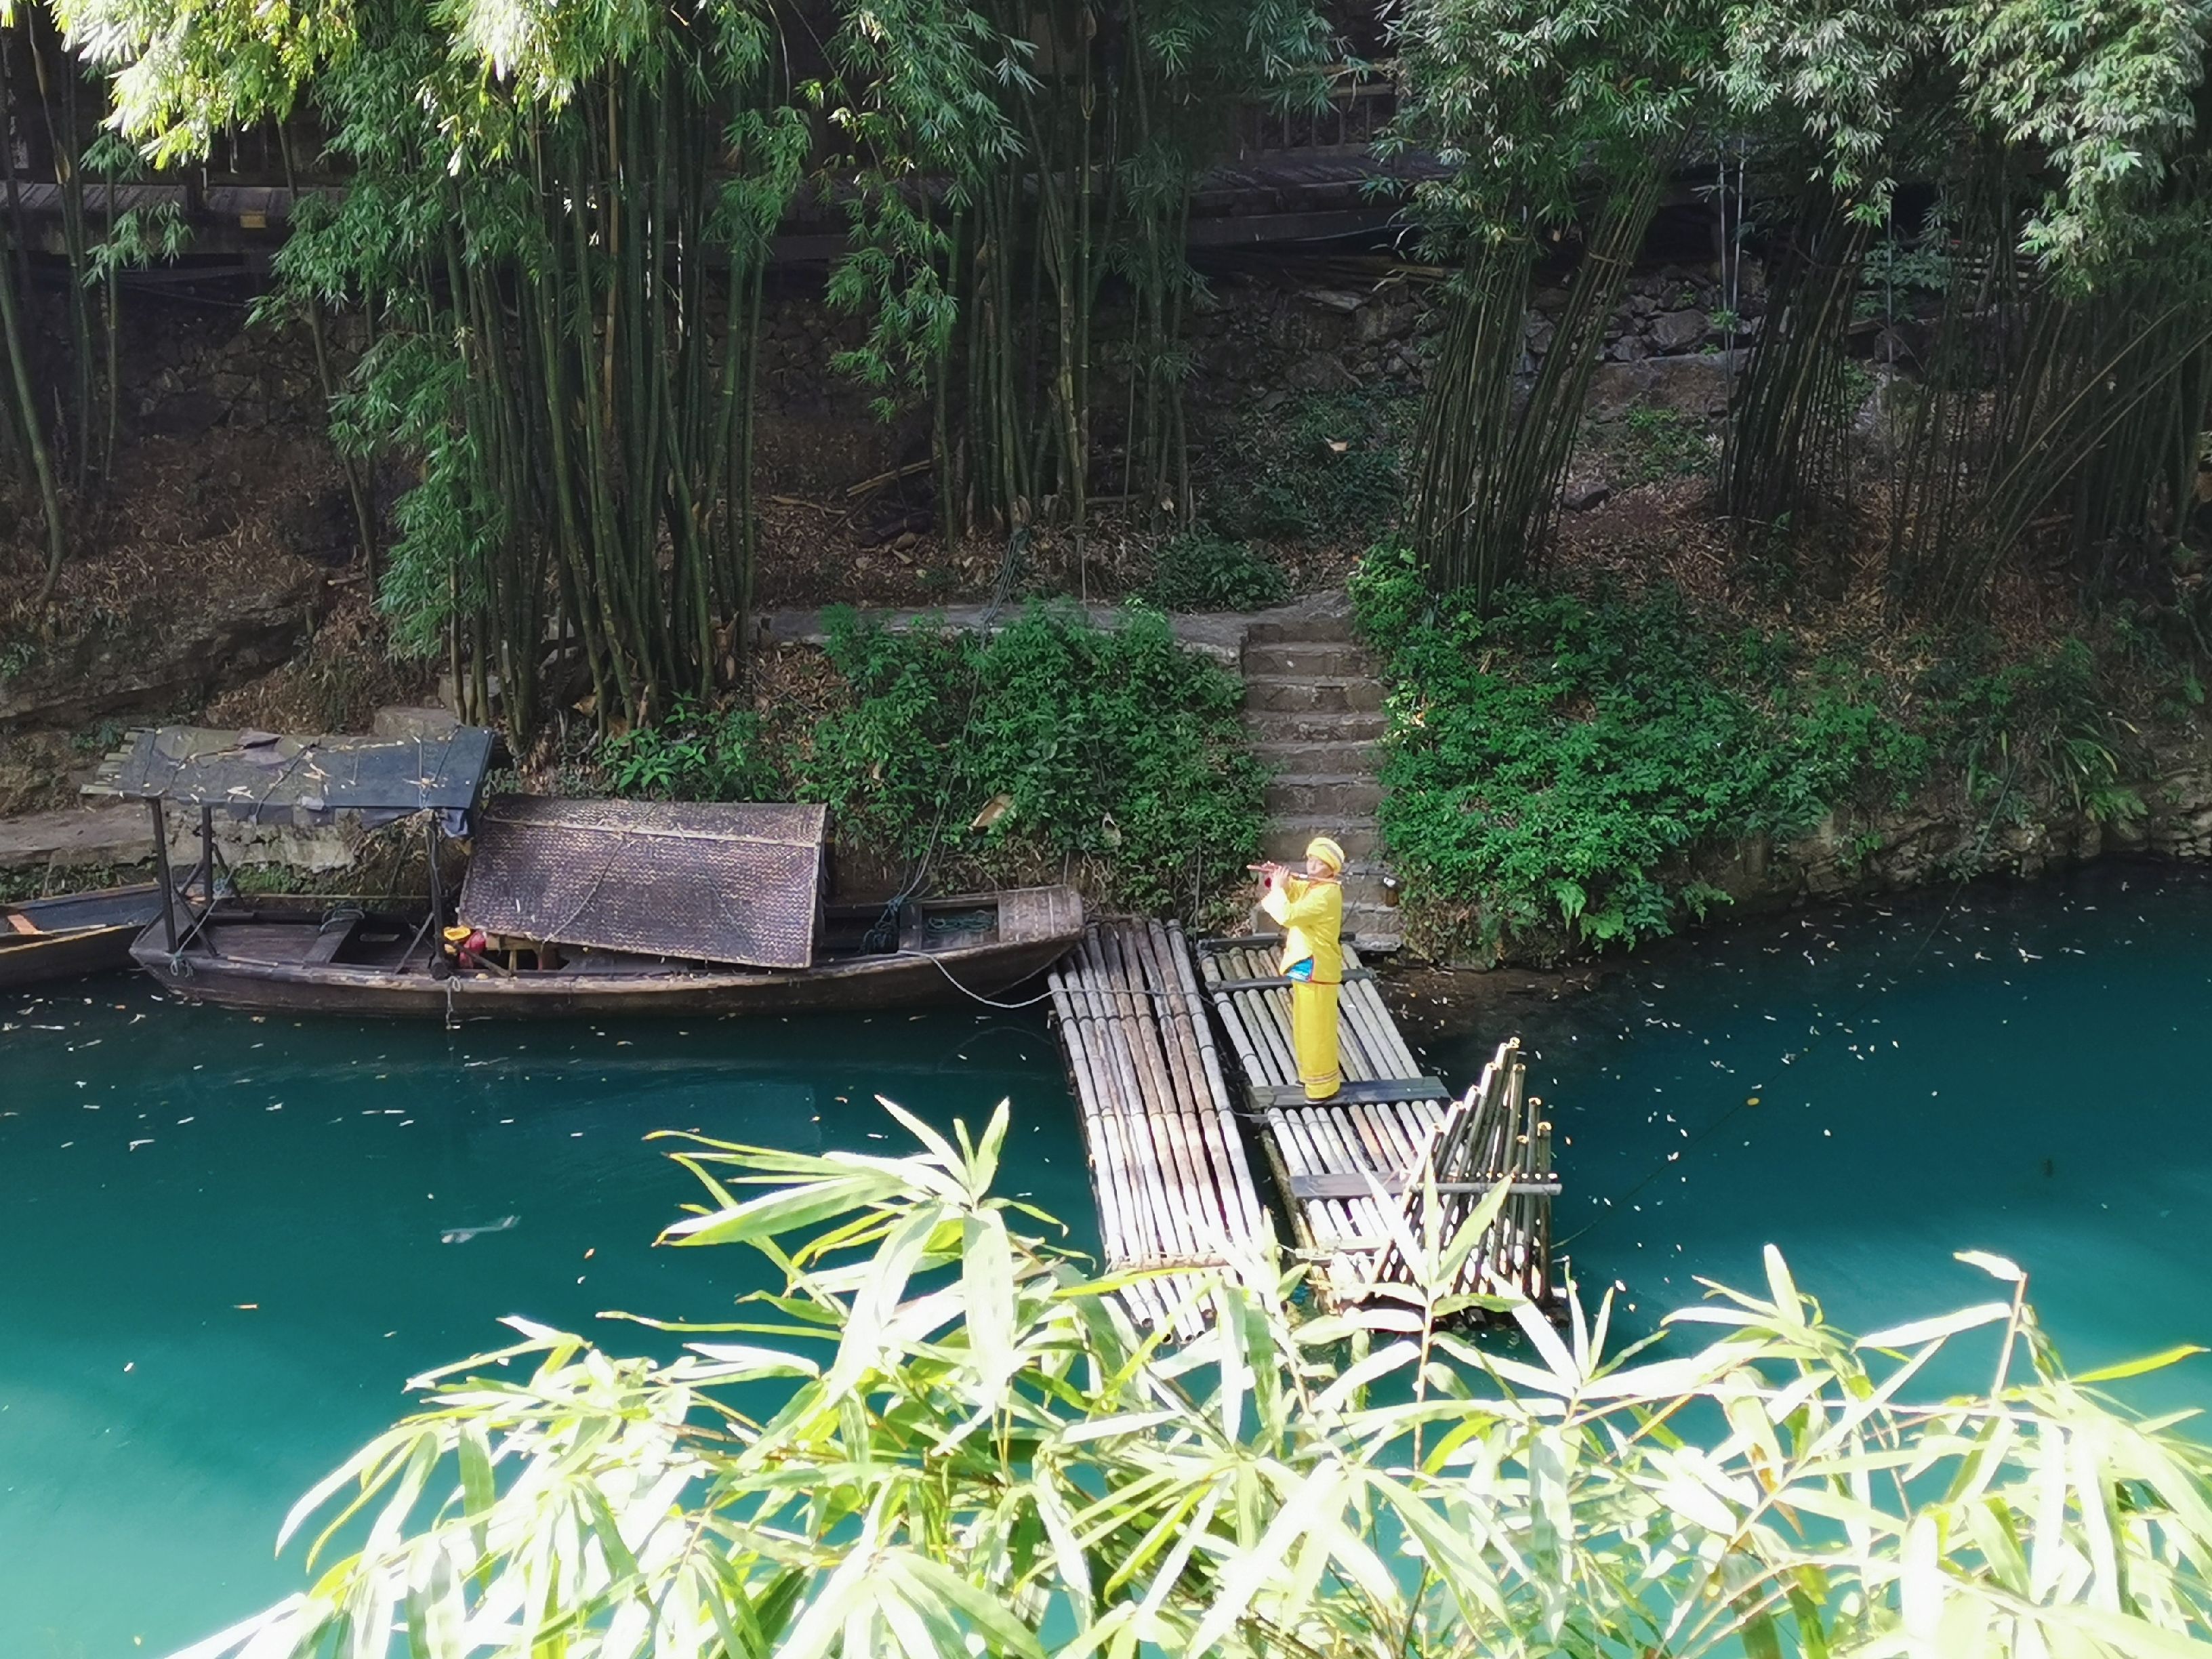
[562,309]
[944,1436]
[1560,126]
[2062,411]
[1066,141]
[1785,461]
[1490,461]
[61,442]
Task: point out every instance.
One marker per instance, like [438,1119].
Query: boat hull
[79,933]
[910,978]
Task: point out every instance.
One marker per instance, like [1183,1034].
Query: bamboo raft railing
[1175,1188]
[1337,1164]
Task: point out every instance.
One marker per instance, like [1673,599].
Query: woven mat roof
[692,880]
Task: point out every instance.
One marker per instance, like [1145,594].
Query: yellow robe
[1311,915]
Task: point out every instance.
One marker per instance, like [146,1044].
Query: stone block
[1690,386]
[1678,331]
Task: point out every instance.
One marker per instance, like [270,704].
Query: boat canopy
[304,780]
[723,883]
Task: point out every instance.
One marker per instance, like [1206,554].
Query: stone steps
[1313,711]
[1349,796]
[1331,624]
[1340,726]
[1311,694]
[1284,838]
[1338,659]
[1291,758]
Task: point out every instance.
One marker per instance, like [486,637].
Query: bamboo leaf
[2128,1368]
[1938,1328]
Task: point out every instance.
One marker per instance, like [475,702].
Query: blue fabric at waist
[1302,969]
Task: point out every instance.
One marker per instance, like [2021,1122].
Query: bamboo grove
[554,223]
[554,226]
[61,318]
[2057,160]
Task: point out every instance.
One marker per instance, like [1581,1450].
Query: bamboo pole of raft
[1201,1105]
[1187,1166]
[1101,1138]
[1160,1011]
[1215,1174]
[1186,1219]
[1176,951]
[1201,1204]
[1142,1235]
[1119,1187]
[1169,1239]
[1140,1240]
[1244,1021]
[1121,1220]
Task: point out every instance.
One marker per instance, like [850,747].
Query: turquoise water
[2025,1073]
[223,1248]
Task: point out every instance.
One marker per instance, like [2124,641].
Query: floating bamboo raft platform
[1175,1187]
[1338,1162]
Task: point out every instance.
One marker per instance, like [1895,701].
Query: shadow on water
[230,1241]
[2018,1069]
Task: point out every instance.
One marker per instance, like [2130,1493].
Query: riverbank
[1624,754]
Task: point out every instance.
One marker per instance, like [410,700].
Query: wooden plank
[1366,1091]
[1356,1186]
[1270,981]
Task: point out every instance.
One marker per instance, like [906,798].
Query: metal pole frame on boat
[436,919]
[204,874]
[162,874]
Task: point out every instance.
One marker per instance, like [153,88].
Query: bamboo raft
[1338,1162]
[1175,1188]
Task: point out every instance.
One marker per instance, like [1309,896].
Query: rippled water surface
[224,1241]
[223,1248]
[2022,1070]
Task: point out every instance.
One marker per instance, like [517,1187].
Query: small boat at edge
[71,934]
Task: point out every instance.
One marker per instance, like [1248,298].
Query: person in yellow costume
[1310,909]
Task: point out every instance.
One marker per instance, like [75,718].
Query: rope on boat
[988,1002]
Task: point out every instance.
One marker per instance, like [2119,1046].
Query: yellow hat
[1322,848]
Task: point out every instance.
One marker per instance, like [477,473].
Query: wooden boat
[73,933]
[302,955]
[570,908]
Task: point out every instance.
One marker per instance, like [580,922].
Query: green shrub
[1556,764]
[2041,726]
[1200,571]
[1665,443]
[1323,463]
[1052,740]
[1115,743]
[695,754]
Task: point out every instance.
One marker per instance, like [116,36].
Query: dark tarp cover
[727,884]
[271,779]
